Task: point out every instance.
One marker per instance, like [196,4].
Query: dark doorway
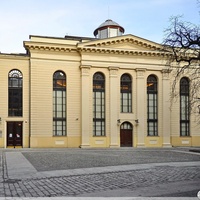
[126,135]
[14,134]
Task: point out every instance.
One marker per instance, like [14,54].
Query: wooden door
[126,135]
[14,134]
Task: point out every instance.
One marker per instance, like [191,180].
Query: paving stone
[109,181]
[91,183]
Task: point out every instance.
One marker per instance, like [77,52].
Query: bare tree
[182,40]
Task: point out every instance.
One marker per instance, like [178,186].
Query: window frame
[59,104]
[152,105]
[99,104]
[126,93]
[15,93]
[184,107]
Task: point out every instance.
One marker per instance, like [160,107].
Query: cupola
[108,29]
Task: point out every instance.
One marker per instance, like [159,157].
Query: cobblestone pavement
[99,183]
[81,158]
[76,185]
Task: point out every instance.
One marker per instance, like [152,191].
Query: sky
[56,18]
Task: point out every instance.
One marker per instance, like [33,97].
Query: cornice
[49,47]
[151,52]
[122,51]
[131,39]
[14,56]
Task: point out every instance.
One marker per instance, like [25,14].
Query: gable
[125,42]
[126,46]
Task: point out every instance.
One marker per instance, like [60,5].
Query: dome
[109,24]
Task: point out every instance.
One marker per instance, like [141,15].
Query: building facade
[109,91]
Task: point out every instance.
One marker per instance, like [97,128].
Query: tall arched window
[126,93]
[184,107]
[59,103]
[98,104]
[15,89]
[152,106]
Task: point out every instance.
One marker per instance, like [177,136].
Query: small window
[126,126]
[103,33]
[113,32]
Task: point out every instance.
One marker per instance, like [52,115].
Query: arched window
[98,104]
[126,94]
[59,103]
[126,126]
[152,106]
[184,107]
[15,89]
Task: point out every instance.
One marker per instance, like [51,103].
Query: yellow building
[112,90]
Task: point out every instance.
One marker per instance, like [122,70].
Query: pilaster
[166,108]
[114,142]
[85,104]
[141,108]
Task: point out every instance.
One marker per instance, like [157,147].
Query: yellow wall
[57,142]
[152,141]
[181,141]
[42,69]
[100,142]
[80,61]
[8,63]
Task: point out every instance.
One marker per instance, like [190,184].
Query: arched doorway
[126,135]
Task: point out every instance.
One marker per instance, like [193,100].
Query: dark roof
[78,38]
[109,23]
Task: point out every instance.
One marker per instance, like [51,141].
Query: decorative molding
[85,70]
[113,71]
[152,51]
[14,56]
[130,41]
[122,40]
[123,51]
[45,47]
[165,73]
[140,72]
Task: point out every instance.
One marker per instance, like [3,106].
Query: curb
[195,150]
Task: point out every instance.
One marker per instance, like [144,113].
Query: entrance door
[126,135]
[14,134]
